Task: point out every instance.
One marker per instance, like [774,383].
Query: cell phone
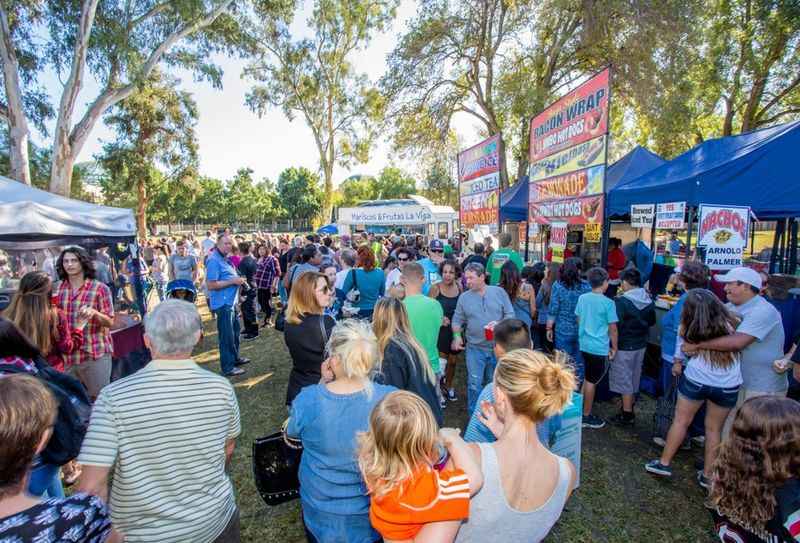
[444,456]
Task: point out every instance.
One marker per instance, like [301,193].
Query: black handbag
[276,459]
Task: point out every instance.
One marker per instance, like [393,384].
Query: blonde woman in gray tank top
[518,503]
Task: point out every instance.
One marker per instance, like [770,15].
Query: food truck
[413,215]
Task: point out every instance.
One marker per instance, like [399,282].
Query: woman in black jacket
[307,330]
[405,364]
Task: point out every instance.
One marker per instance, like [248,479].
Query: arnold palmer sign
[723,232]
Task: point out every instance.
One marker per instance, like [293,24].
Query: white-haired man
[169,430]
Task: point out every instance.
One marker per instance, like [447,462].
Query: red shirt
[96,338]
[616,262]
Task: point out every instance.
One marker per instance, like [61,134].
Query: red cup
[488,331]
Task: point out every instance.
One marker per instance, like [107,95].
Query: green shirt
[496,261]
[426,317]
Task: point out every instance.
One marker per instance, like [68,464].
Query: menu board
[568,154]
[479,184]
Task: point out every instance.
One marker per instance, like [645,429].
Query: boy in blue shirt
[597,324]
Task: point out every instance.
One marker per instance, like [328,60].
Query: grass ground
[617,500]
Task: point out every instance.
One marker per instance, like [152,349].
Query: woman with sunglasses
[307,330]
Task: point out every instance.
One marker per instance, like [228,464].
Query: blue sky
[231,136]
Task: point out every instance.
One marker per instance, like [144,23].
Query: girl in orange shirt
[415,497]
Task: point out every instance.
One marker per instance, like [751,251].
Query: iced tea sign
[723,232]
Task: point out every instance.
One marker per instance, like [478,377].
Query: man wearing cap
[759,338]
[431,264]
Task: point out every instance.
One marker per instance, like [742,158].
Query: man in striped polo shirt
[169,430]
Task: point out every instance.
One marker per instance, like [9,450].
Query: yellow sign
[592,233]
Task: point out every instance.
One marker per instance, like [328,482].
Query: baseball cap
[743,275]
[436,245]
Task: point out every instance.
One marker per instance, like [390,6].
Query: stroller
[182,289]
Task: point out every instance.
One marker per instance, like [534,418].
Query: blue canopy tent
[724,171]
[514,202]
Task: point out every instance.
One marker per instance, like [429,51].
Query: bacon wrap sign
[479,183]
[723,232]
[577,117]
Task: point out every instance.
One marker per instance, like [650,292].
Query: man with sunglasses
[431,265]
[393,285]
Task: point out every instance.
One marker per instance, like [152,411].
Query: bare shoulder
[475,449]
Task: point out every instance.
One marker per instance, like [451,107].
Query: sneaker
[621,419]
[249,337]
[451,395]
[700,441]
[443,403]
[234,372]
[593,421]
[657,468]
[242,361]
[702,480]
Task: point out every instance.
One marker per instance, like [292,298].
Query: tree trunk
[18,130]
[61,170]
[141,208]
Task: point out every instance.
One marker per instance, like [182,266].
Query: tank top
[491,518]
[448,304]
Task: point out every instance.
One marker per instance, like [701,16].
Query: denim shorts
[723,397]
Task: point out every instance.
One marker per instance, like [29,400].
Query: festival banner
[723,232]
[584,155]
[570,185]
[558,240]
[642,215]
[671,216]
[578,116]
[585,210]
[479,184]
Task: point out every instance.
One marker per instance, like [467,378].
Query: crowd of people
[375,328]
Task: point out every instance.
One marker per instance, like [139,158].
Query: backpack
[74,411]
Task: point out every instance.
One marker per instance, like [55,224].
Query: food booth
[35,225]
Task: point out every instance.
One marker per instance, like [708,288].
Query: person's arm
[171,269]
[230,446]
[213,281]
[463,458]
[94,480]
[434,291]
[613,335]
[459,318]
[734,342]
[194,269]
[508,309]
[104,315]
[444,531]
[532,302]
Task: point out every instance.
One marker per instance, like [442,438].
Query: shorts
[723,397]
[625,372]
[595,365]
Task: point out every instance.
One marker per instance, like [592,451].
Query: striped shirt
[164,430]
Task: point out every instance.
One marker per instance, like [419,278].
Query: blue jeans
[480,370]
[45,482]
[337,528]
[569,344]
[228,329]
[282,292]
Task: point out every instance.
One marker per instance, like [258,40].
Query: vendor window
[443,230]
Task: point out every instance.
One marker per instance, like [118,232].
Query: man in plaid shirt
[82,298]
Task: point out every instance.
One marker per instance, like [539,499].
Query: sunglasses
[437,250]
[402,259]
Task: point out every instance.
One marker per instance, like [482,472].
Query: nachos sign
[723,232]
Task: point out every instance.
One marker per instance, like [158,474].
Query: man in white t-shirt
[393,285]
[348,259]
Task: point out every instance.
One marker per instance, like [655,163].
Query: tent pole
[773,255]
[785,245]
[689,232]
[793,248]
[527,241]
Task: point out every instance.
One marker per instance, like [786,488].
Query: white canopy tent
[37,218]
